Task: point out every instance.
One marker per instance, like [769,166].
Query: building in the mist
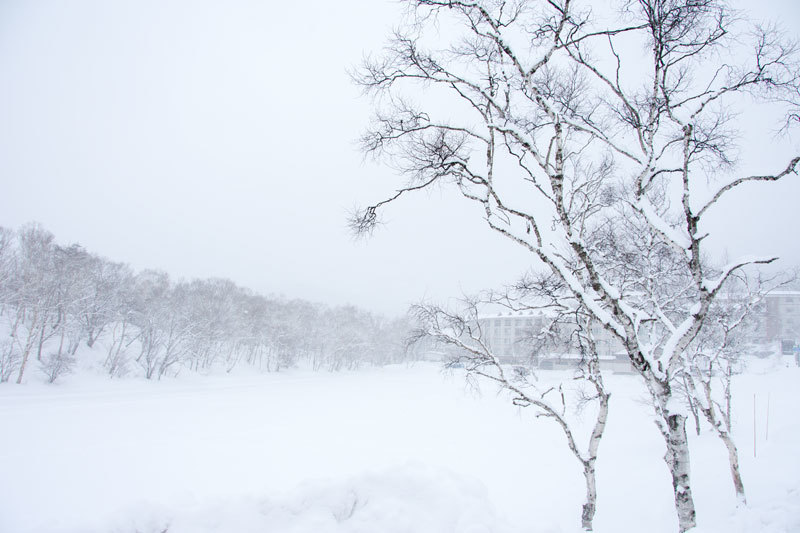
[781,318]
[514,337]
[510,335]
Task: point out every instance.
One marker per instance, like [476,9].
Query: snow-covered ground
[398,449]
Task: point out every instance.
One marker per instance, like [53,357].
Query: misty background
[212,139]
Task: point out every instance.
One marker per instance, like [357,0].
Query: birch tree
[603,166]
[717,354]
[463,331]
[9,358]
[104,281]
[34,292]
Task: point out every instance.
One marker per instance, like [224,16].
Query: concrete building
[512,338]
[781,318]
[511,335]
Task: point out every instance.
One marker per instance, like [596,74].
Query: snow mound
[414,498]
[780,515]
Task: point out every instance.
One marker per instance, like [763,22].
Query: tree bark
[41,341]
[724,433]
[28,346]
[677,459]
[692,406]
[589,508]
[733,460]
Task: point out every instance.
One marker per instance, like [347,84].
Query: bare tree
[604,167]
[35,292]
[464,332]
[9,357]
[152,294]
[121,313]
[7,268]
[104,281]
[55,365]
[717,354]
[54,298]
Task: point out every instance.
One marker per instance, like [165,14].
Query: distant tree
[56,364]
[34,292]
[150,312]
[7,267]
[351,341]
[214,308]
[9,357]
[391,338]
[121,313]
[73,286]
[603,166]
[255,309]
[55,298]
[97,311]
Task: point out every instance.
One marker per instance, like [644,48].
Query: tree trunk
[25,354]
[724,433]
[41,341]
[692,406]
[61,342]
[677,458]
[73,346]
[28,346]
[589,508]
[733,459]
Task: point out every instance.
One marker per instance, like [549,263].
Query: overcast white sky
[210,138]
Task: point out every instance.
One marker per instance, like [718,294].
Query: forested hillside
[56,298]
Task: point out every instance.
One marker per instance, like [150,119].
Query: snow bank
[414,498]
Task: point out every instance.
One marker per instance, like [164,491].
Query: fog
[218,139]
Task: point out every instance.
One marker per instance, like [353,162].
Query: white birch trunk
[677,459]
[733,461]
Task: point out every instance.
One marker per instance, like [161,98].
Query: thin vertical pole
[754,424]
[766,433]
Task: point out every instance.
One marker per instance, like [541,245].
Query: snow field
[396,449]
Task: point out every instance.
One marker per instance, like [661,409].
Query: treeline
[55,299]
